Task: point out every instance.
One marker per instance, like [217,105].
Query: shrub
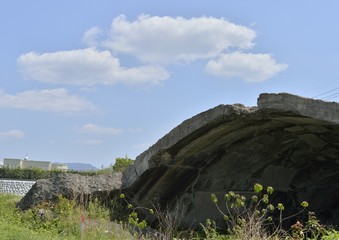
[121,164]
[253,218]
[37,173]
[133,218]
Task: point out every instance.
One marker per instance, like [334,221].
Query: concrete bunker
[288,142]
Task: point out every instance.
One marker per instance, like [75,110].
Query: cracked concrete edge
[315,108]
[328,111]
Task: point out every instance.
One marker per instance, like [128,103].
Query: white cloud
[155,39]
[91,35]
[86,67]
[247,66]
[16,134]
[49,100]
[93,128]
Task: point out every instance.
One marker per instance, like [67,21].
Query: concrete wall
[17,187]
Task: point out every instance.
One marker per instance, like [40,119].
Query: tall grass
[62,220]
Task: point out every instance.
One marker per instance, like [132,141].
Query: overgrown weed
[251,219]
[60,220]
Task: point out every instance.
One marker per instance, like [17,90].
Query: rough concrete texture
[328,111]
[71,186]
[186,128]
[288,142]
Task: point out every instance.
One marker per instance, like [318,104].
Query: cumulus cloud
[168,40]
[155,39]
[49,100]
[86,67]
[91,35]
[247,66]
[13,134]
[93,128]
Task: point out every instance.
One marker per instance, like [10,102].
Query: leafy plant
[312,229]
[133,218]
[121,164]
[251,218]
[210,231]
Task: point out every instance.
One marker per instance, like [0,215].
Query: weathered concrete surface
[190,126]
[289,142]
[71,186]
[328,111]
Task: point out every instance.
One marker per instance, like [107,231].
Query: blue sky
[89,81]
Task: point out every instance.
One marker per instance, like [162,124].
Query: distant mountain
[81,167]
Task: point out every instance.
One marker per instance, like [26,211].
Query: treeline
[35,174]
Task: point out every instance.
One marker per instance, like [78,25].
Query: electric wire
[316,88]
[329,91]
[328,95]
[334,95]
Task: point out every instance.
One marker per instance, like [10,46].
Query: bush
[254,218]
[37,173]
[121,164]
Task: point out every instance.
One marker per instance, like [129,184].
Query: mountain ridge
[81,167]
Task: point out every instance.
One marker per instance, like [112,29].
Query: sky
[90,81]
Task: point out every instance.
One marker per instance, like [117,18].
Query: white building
[59,166]
[31,164]
[12,163]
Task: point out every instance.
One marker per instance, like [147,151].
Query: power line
[334,95]
[317,87]
[332,90]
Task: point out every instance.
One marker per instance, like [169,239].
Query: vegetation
[120,165]
[62,220]
[253,218]
[37,173]
[258,218]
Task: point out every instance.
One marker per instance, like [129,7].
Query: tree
[121,164]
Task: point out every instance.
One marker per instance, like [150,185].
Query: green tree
[121,164]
